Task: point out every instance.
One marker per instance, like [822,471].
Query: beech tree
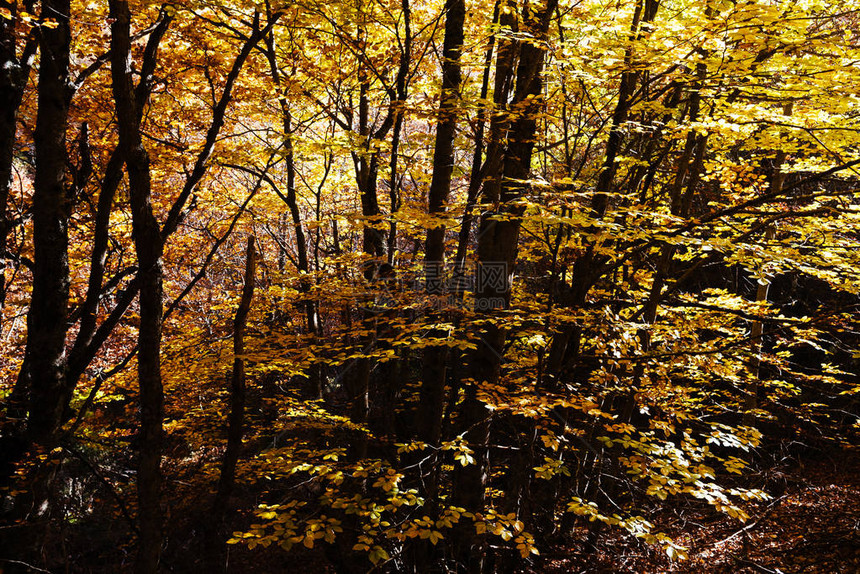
[523,274]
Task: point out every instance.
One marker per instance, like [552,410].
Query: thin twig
[30,566]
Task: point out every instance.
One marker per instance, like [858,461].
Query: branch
[218,114]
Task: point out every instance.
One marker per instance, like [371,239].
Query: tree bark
[82,355]
[401,92]
[477,161]
[14,73]
[46,320]
[497,251]
[589,266]
[148,245]
[302,262]
[101,234]
[433,387]
[757,327]
[237,390]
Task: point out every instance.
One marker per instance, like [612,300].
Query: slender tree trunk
[109,185]
[588,267]
[688,173]
[237,390]
[82,355]
[302,262]
[503,85]
[148,245]
[477,161]
[367,172]
[757,327]
[14,73]
[400,88]
[435,357]
[366,162]
[305,281]
[374,245]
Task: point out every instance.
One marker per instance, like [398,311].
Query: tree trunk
[237,391]
[101,235]
[148,245]
[589,267]
[14,73]
[477,161]
[401,90]
[757,327]
[497,251]
[302,263]
[46,320]
[367,171]
[433,387]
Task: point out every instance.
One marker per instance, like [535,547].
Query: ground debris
[812,527]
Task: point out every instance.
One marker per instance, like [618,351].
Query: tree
[16,72]
[148,246]
[664,287]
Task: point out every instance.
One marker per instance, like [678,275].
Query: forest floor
[811,525]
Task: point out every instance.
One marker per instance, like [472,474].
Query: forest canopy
[417,285]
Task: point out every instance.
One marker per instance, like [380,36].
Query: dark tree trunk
[374,243]
[497,251]
[14,73]
[303,265]
[433,387]
[400,87]
[588,267]
[366,168]
[302,262]
[101,234]
[83,354]
[46,320]
[237,391]
[367,172]
[148,245]
[477,161]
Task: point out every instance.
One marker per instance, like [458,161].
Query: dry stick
[20,563]
[770,508]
